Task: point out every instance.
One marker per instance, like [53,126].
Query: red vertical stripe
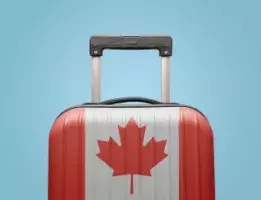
[196,157]
[67,157]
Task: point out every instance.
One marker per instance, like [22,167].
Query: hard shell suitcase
[112,151]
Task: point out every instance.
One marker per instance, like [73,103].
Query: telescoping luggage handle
[161,43]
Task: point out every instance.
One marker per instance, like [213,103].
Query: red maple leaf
[131,156]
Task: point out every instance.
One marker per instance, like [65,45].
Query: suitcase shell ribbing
[77,173]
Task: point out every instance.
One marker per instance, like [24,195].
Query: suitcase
[114,151]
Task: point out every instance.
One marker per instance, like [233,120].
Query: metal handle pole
[96,63]
[165,79]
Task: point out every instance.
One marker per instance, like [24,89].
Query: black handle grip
[129,99]
[162,43]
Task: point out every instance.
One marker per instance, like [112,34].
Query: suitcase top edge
[97,105]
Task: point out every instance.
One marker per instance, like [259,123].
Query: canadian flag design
[160,153]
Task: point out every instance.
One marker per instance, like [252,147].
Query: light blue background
[45,67]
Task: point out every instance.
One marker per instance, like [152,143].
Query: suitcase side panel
[67,157]
[196,157]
